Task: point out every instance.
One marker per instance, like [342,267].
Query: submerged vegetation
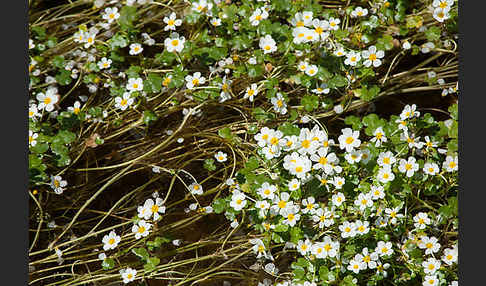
[243,142]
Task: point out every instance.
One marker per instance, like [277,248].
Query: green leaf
[141,252]
[281,228]
[209,164]
[133,71]
[64,77]
[117,41]
[323,273]
[128,14]
[219,205]
[65,137]
[252,163]
[153,83]
[310,102]
[225,133]
[40,148]
[108,263]
[289,129]
[296,234]
[433,33]
[152,262]
[149,117]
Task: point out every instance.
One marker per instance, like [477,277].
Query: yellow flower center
[279,103]
[319,30]
[111,241]
[175,42]
[171,22]
[299,24]
[251,92]
[261,248]
[299,169]
[47,100]
[291,217]
[141,229]
[124,102]
[408,166]
[155,208]
[282,204]
[323,160]
[258,17]
[349,140]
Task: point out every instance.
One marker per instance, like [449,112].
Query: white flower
[195,80]
[338,182]
[196,189]
[409,111]
[431,169]
[110,240]
[104,63]
[450,255]
[47,100]
[76,108]
[271,269]
[377,192]
[326,248]
[347,229]
[32,138]
[154,208]
[33,112]
[31,44]
[311,70]
[171,22]
[430,280]
[384,248]
[58,184]
[258,247]
[386,159]
[352,58]
[135,49]
[411,140]
[257,16]
[279,104]
[294,184]
[174,43]
[141,229]
[356,265]
[302,19]
[338,199]
[323,160]
[128,275]
[238,201]
[421,220]
[349,139]
[263,206]
[304,246]
[124,101]
[281,203]
[320,28]
[334,23]
[111,14]
[353,156]
[441,14]
[339,52]
[309,205]
[393,214]
[216,22]
[409,167]
[300,34]
[442,3]
[291,215]
[267,44]
[134,84]
[324,217]
[385,175]
[322,89]
[450,164]
[267,191]
[379,137]
[359,12]
[202,6]
[363,201]
[252,61]
[430,245]
[362,227]
[431,265]
[406,45]
[89,39]
[221,156]
[427,47]
[251,92]
[373,57]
